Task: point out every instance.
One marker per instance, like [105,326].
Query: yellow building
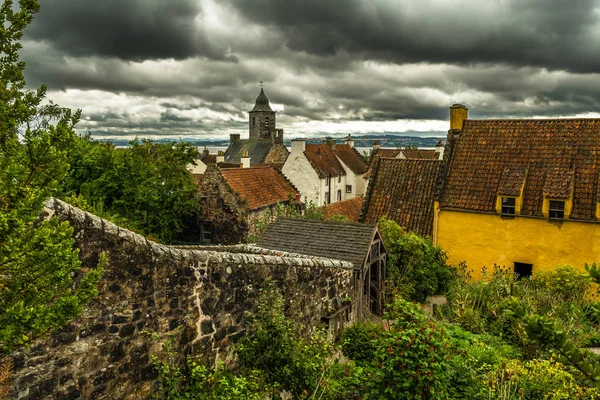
[522,193]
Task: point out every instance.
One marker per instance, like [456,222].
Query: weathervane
[262,84]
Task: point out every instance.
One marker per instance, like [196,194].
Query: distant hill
[385,140]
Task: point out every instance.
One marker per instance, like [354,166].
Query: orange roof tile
[260,187]
[349,208]
[351,158]
[323,160]
[559,156]
[420,154]
[404,190]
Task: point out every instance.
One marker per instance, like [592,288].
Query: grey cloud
[129,30]
[551,33]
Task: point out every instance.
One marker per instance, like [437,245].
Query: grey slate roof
[345,241]
[257,150]
[262,102]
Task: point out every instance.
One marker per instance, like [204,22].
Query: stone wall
[222,207]
[199,297]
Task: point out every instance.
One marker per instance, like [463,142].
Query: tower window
[557,209]
[267,122]
[253,121]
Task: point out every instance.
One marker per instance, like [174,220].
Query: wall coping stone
[240,254]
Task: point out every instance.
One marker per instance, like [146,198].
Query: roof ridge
[325,221]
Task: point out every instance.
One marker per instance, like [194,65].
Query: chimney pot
[458,114]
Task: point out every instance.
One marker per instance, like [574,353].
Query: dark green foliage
[411,359]
[545,331]
[146,184]
[42,286]
[561,293]
[273,347]
[416,267]
[359,341]
[200,382]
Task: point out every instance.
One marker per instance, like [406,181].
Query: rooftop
[403,190]
[345,241]
[550,157]
[260,186]
[348,208]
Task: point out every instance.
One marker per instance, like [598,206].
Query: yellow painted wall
[485,239]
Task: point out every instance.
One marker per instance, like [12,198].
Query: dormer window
[557,209]
[508,205]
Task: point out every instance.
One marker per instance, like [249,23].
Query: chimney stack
[458,114]
[350,141]
[439,149]
[298,146]
[376,145]
[220,157]
[330,142]
[205,152]
[233,137]
[245,159]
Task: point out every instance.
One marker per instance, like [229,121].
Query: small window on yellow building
[523,270]
[557,209]
[508,205]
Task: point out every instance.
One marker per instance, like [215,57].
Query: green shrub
[200,382]
[273,346]
[415,265]
[358,342]
[548,379]
[410,358]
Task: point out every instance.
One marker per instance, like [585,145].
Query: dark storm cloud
[125,29]
[549,33]
[164,67]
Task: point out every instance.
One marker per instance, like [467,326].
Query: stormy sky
[191,68]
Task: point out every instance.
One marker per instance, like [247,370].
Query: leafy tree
[42,286]
[146,184]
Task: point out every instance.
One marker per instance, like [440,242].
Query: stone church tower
[262,120]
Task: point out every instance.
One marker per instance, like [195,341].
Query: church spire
[262,102]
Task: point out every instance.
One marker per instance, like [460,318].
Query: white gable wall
[300,172]
[199,168]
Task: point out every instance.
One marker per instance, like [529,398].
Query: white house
[325,173]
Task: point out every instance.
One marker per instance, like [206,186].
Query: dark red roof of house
[348,208]
[551,157]
[323,160]
[351,158]
[403,190]
[420,154]
[260,187]
[417,154]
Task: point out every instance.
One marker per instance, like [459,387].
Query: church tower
[262,119]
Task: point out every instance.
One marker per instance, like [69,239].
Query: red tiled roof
[351,158]
[260,187]
[404,190]
[349,208]
[387,153]
[323,160]
[417,154]
[420,154]
[553,156]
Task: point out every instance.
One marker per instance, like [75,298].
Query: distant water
[215,149]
